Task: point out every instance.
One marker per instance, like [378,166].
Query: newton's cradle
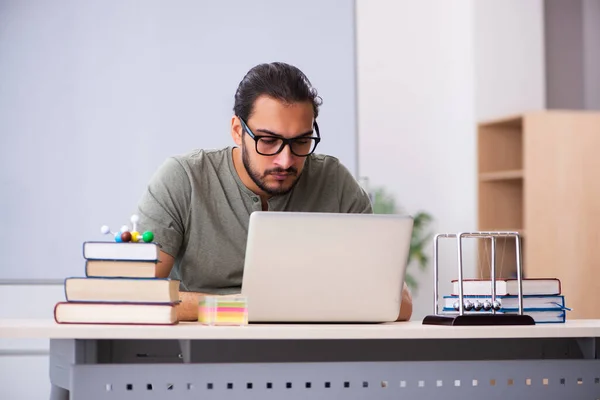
[484,317]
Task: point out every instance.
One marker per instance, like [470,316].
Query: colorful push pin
[134,220]
[148,237]
[126,236]
[106,230]
[135,235]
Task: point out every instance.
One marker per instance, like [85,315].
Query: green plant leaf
[411,282]
[384,203]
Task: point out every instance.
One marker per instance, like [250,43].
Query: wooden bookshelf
[539,173]
[500,191]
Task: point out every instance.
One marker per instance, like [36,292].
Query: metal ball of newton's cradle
[496,305]
[487,305]
[125,235]
[468,305]
[477,306]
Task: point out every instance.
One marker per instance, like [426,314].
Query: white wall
[24,371]
[94,95]
[509,57]
[427,72]
[416,111]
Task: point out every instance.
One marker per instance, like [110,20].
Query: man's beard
[261,179]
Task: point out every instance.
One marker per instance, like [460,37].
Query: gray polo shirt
[199,209]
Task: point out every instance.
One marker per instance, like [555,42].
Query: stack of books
[542,298]
[119,287]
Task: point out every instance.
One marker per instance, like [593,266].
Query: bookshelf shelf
[536,174]
[501,175]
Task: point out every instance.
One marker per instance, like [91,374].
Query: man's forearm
[187,310]
[406,307]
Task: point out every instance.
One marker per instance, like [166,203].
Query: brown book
[115,313]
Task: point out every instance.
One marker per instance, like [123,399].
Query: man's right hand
[187,310]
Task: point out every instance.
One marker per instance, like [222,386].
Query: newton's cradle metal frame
[477,318]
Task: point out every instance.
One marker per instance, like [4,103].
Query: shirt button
[255,199]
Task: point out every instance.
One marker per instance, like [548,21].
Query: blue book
[512,302]
[543,309]
[540,316]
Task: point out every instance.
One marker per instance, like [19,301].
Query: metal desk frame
[449,368]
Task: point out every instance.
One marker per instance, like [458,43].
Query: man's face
[277,174]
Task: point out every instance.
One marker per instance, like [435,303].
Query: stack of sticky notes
[223,310]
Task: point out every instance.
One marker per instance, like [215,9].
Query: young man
[198,205]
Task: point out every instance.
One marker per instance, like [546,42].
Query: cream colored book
[122,290]
[115,313]
[120,269]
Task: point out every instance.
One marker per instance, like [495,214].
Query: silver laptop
[321,267]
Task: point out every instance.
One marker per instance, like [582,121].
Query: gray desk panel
[275,351]
[451,380]
[314,369]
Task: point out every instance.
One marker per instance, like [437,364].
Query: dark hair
[278,80]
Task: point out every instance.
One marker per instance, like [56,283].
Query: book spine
[55,309]
[559,286]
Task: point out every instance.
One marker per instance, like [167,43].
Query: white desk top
[47,328]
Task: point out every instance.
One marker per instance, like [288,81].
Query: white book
[139,251]
[531,286]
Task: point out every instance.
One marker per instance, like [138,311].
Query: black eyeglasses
[270,145]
